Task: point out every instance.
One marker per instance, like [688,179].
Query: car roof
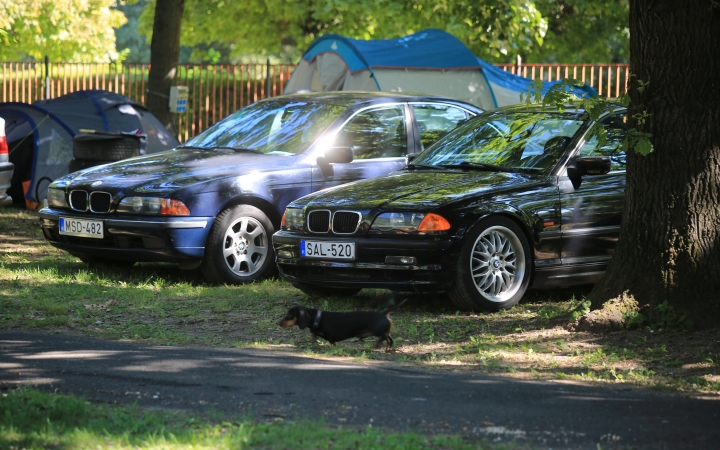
[357,97]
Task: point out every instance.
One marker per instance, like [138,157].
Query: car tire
[94,261]
[106,149]
[239,249]
[319,291]
[494,267]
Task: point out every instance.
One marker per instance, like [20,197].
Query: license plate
[324,249]
[80,227]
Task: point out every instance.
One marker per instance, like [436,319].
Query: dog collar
[317,319]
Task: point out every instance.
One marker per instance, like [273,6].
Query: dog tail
[394,306]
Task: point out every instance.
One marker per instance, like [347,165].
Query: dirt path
[279,386]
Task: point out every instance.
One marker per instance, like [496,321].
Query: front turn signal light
[283,222]
[434,222]
[172,207]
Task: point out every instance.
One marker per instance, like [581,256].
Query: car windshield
[272,127]
[504,141]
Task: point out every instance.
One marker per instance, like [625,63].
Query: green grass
[42,288]
[30,419]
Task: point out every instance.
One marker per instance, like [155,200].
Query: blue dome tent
[40,135]
[430,62]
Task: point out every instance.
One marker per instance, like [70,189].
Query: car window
[515,140]
[376,133]
[615,128]
[277,127]
[433,121]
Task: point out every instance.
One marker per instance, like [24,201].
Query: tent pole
[47,77]
[268,89]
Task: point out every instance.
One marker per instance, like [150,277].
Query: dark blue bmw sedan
[214,202]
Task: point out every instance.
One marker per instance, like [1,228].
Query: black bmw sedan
[514,198]
[214,202]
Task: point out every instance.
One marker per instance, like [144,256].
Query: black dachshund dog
[338,326]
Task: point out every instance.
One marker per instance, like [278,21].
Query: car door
[591,207]
[434,120]
[378,137]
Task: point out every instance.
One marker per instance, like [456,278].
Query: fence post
[47,77]
[268,89]
[518,65]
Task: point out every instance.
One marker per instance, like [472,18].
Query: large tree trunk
[670,243]
[164,56]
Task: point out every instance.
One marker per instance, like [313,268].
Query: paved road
[270,384]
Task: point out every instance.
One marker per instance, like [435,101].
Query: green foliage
[493,29]
[664,318]
[64,30]
[668,319]
[132,45]
[497,30]
[581,310]
[633,319]
[584,31]
[551,310]
[638,141]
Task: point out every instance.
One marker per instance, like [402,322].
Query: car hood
[408,190]
[174,170]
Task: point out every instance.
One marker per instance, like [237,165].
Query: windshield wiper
[479,166]
[194,147]
[412,166]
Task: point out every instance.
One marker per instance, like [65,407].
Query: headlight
[153,205]
[56,197]
[293,219]
[405,222]
[397,221]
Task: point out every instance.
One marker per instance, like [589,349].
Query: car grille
[345,222]
[99,202]
[78,200]
[319,221]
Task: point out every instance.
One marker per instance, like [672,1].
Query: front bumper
[432,271]
[132,238]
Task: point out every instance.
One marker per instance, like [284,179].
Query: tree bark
[164,57]
[669,247]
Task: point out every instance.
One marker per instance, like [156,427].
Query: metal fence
[215,90]
[609,80]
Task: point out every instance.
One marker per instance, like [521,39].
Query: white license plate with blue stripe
[82,228]
[324,249]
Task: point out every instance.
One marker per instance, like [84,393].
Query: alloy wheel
[245,246]
[497,264]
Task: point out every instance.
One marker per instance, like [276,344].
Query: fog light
[285,254]
[400,260]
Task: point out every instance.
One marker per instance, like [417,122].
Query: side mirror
[337,155]
[334,155]
[589,165]
[410,158]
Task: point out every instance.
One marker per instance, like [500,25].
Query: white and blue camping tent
[428,62]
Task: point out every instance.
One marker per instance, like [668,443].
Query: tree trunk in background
[164,56]
[670,243]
